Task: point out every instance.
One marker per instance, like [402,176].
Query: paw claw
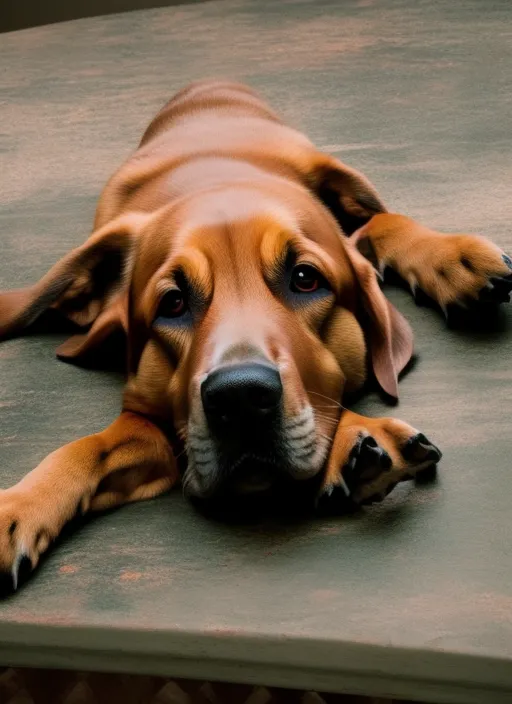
[21,565]
[419,449]
[10,581]
[328,490]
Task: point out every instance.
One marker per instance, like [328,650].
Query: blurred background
[19,14]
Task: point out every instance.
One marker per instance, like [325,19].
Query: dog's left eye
[306,279]
[172,305]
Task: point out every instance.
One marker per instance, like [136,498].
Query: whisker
[328,398]
[324,414]
[329,421]
[180,454]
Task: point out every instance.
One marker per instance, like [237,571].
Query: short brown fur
[218,194]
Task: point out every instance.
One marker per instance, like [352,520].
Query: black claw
[420,449]
[10,581]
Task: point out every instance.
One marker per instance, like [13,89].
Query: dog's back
[211,133]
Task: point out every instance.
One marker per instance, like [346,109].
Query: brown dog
[219,249]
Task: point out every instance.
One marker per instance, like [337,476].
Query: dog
[242,265]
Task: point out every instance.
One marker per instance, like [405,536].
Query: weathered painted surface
[418,96]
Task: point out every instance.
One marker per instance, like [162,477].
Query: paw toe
[419,449]
[371,454]
[368,460]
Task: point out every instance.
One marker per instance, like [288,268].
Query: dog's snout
[237,391]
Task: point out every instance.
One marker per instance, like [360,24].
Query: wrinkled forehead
[235,235]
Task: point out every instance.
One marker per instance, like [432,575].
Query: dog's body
[219,249]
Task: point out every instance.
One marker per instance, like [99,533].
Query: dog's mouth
[253,462]
[253,474]
[230,476]
[255,488]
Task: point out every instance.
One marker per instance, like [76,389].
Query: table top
[411,598]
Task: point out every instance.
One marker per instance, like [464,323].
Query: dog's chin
[247,474]
[252,475]
[253,488]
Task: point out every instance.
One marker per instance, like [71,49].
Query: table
[409,599]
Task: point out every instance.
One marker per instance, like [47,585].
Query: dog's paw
[461,270]
[364,468]
[24,535]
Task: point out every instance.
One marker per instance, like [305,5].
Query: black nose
[241,391]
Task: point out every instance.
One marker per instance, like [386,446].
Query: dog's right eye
[172,305]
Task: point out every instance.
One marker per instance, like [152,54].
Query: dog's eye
[172,305]
[306,279]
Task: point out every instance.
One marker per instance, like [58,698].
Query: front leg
[130,460]
[370,456]
[451,269]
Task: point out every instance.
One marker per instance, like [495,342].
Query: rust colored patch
[68,569]
[130,576]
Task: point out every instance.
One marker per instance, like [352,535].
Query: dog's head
[247,314]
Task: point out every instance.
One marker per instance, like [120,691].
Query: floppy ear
[87,286]
[390,337]
[349,195]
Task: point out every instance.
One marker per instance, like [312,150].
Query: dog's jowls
[221,248]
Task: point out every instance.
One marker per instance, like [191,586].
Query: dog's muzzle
[243,442]
[242,404]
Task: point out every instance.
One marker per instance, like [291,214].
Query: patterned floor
[28,686]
